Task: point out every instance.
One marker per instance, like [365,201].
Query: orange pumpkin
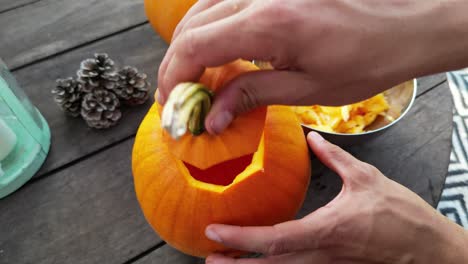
[164,15]
[236,185]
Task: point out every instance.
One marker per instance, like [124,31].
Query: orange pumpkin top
[239,139]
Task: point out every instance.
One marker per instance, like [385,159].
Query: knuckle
[336,153]
[281,14]
[276,247]
[279,9]
[249,96]
[191,23]
[334,150]
[206,2]
[189,44]
[364,174]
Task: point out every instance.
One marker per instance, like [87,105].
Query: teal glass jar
[24,135]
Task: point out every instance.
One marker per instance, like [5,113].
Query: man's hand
[328,52]
[372,220]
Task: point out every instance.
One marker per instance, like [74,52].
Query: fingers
[271,240]
[209,12]
[353,172]
[287,237]
[292,258]
[198,7]
[212,45]
[201,14]
[255,89]
[268,239]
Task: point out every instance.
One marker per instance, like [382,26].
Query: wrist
[449,244]
[432,38]
[444,32]
[454,244]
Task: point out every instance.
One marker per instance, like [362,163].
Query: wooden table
[81,206]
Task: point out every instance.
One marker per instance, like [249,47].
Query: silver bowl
[400,99]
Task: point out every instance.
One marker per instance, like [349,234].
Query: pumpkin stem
[186,108]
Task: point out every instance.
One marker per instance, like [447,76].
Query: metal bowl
[400,99]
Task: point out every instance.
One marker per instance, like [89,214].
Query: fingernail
[221,121]
[160,99]
[209,233]
[316,137]
[214,258]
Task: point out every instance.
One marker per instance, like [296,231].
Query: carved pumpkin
[255,173]
[164,15]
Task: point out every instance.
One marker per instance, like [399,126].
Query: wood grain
[414,153]
[51,26]
[71,138]
[428,82]
[168,255]
[8,5]
[87,213]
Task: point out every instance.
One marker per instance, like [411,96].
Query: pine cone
[97,73]
[68,94]
[100,109]
[132,87]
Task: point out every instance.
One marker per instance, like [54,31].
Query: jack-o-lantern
[254,173]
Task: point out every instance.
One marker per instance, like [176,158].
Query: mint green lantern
[24,135]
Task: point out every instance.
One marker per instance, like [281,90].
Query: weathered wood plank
[8,5]
[168,255]
[87,213]
[414,153]
[50,26]
[139,47]
[428,82]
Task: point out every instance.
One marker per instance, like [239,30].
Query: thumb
[354,173]
[255,89]
[307,233]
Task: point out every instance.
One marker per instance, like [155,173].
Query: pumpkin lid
[241,138]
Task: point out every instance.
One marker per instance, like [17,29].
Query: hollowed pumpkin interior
[227,174]
[221,174]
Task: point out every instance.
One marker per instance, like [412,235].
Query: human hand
[328,52]
[372,220]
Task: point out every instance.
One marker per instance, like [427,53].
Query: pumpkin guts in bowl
[359,122]
[350,119]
